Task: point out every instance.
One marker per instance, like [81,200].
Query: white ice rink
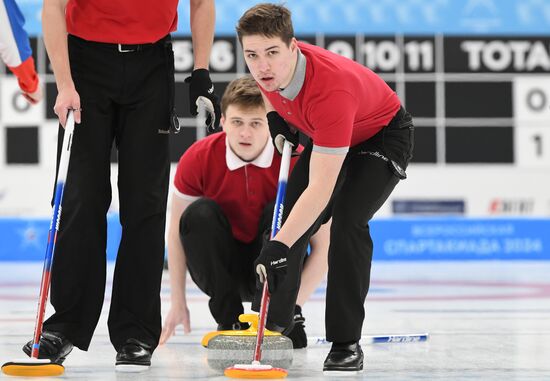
[486,320]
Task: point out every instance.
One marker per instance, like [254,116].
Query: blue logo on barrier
[26,239]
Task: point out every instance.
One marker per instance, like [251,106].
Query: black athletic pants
[125,98]
[221,266]
[365,182]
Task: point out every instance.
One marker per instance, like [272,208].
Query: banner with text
[394,239]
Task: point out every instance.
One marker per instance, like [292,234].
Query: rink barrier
[395,239]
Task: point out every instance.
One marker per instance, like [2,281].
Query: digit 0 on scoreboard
[14,109]
[532,120]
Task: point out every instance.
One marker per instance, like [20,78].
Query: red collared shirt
[209,168]
[121,21]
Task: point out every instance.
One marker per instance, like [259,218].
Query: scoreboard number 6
[222,56]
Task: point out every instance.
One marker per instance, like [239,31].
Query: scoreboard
[475,100]
[481,105]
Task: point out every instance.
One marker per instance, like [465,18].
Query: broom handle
[52,234]
[261,323]
[275,227]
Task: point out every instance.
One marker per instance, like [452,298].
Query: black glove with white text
[279,130]
[201,92]
[271,264]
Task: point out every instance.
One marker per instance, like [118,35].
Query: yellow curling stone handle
[252,319]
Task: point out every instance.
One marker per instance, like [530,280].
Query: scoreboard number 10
[386,55]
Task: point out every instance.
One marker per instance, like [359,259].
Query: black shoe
[298,333]
[134,356]
[345,357]
[277,328]
[53,346]
[238,326]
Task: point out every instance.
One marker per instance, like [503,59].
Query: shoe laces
[299,319]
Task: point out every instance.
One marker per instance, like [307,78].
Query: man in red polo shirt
[361,143]
[221,208]
[114,65]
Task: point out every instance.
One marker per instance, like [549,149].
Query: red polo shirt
[334,100]
[121,21]
[209,169]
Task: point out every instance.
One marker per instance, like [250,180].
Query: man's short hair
[266,19]
[242,92]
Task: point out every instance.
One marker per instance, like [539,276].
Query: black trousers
[125,99]
[221,266]
[366,180]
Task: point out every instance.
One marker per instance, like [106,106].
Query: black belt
[401,119]
[122,48]
[396,122]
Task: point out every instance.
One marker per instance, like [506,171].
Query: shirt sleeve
[188,179]
[332,118]
[15,48]
[26,75]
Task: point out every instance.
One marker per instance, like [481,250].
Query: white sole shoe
[131,368]
[342,373]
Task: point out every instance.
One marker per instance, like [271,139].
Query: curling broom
[33,366]
[256,369]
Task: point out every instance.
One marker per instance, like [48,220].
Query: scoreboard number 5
[532,120]
[222,56]
[183,55]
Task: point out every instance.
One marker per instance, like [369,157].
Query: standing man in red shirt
[114,65]
[221,209]
[361,143]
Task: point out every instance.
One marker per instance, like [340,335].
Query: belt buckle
[125,50]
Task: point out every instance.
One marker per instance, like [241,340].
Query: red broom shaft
[44,289]
[261,323]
